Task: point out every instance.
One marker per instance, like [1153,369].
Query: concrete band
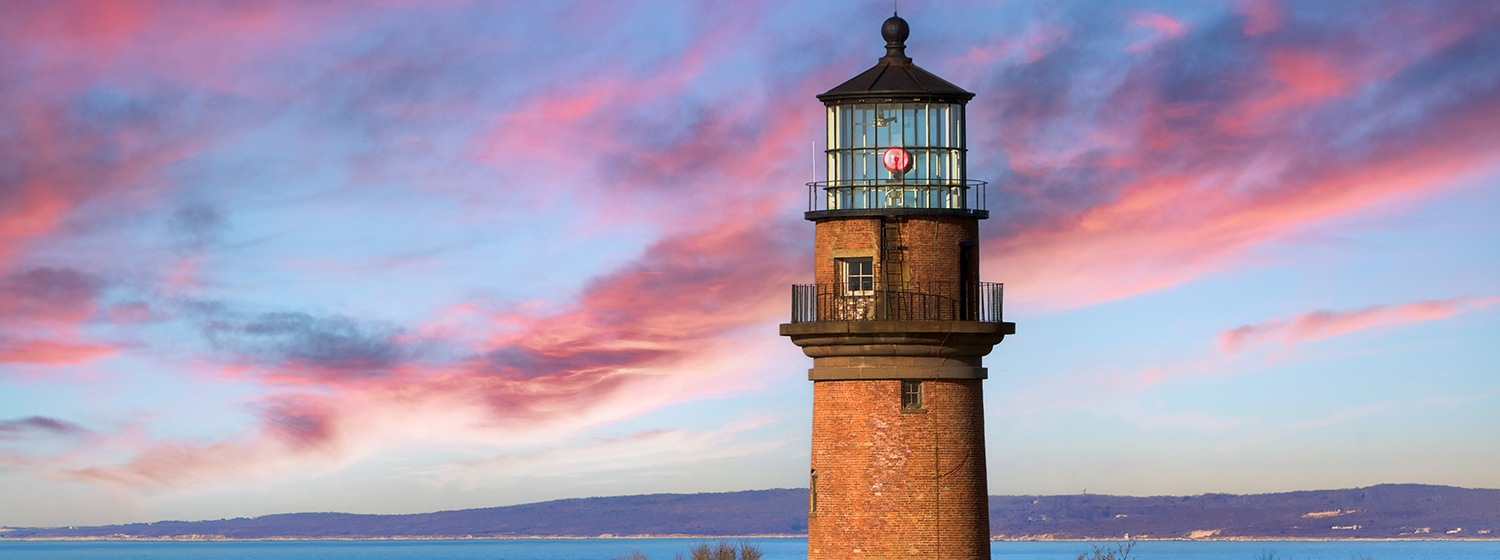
[895,327]
[853,373]
[897,349]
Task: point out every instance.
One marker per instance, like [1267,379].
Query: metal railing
[851,194]
[907,301]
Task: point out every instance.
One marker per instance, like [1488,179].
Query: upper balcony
[896,197]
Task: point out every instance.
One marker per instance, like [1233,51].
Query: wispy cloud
[39,425]
[1115,391]
[298,341]
[1318,325]
[1163,27]
[657,330]
[1268,432]
[1261,16]
[50,352]
[1129,177]
[41,311]
[652,449]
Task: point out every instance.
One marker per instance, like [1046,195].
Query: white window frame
[847,276]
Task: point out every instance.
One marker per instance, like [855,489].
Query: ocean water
[665,549]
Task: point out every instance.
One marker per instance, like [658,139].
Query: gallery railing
[875,194]
[907,301]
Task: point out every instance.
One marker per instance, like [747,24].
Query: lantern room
[896,142]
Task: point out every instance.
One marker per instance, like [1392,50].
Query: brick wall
[850,234]
[932,244]
[894,484]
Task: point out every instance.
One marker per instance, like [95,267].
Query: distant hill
[1384,511]
[778,511]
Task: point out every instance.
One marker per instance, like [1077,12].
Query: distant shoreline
[1382,513]
[1037,538]
[208,538]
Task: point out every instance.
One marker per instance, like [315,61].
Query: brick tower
[897,322]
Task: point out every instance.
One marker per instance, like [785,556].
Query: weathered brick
[898,485]
[932,246]
[892,483]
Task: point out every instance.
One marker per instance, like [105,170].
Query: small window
[812,494]
[911,393]
[858,275]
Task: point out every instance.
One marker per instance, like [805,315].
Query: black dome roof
[894,77]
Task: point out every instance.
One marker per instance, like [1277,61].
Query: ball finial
[895,32]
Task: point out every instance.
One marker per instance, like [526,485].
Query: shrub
[1119,551]
[721,550]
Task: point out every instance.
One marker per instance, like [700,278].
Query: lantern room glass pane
[956,117]
[932,134]
[937,119]
[908,126]
[850,128]
[833,124]
[919,126]
[866,127]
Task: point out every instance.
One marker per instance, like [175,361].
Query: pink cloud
[40,312]
[1261,16]
[48,295]
[49,352]
[1032,45]
[1303,78]
[1115,391]
[1165,26]
[713,163]
[74,41]
[106,24]
[657,143]
[1170,230]
[1190,185]
[660,329]
[685,288]
[327,432]
[301,434]
[1309,74]
[133,312]
[1318,325]
[69,48]
[57,171]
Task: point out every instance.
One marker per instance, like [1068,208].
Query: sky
[393,257]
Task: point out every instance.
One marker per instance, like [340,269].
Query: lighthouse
[897,322]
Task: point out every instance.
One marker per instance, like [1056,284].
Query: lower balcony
[906,301]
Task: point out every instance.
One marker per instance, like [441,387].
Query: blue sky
[393,257]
